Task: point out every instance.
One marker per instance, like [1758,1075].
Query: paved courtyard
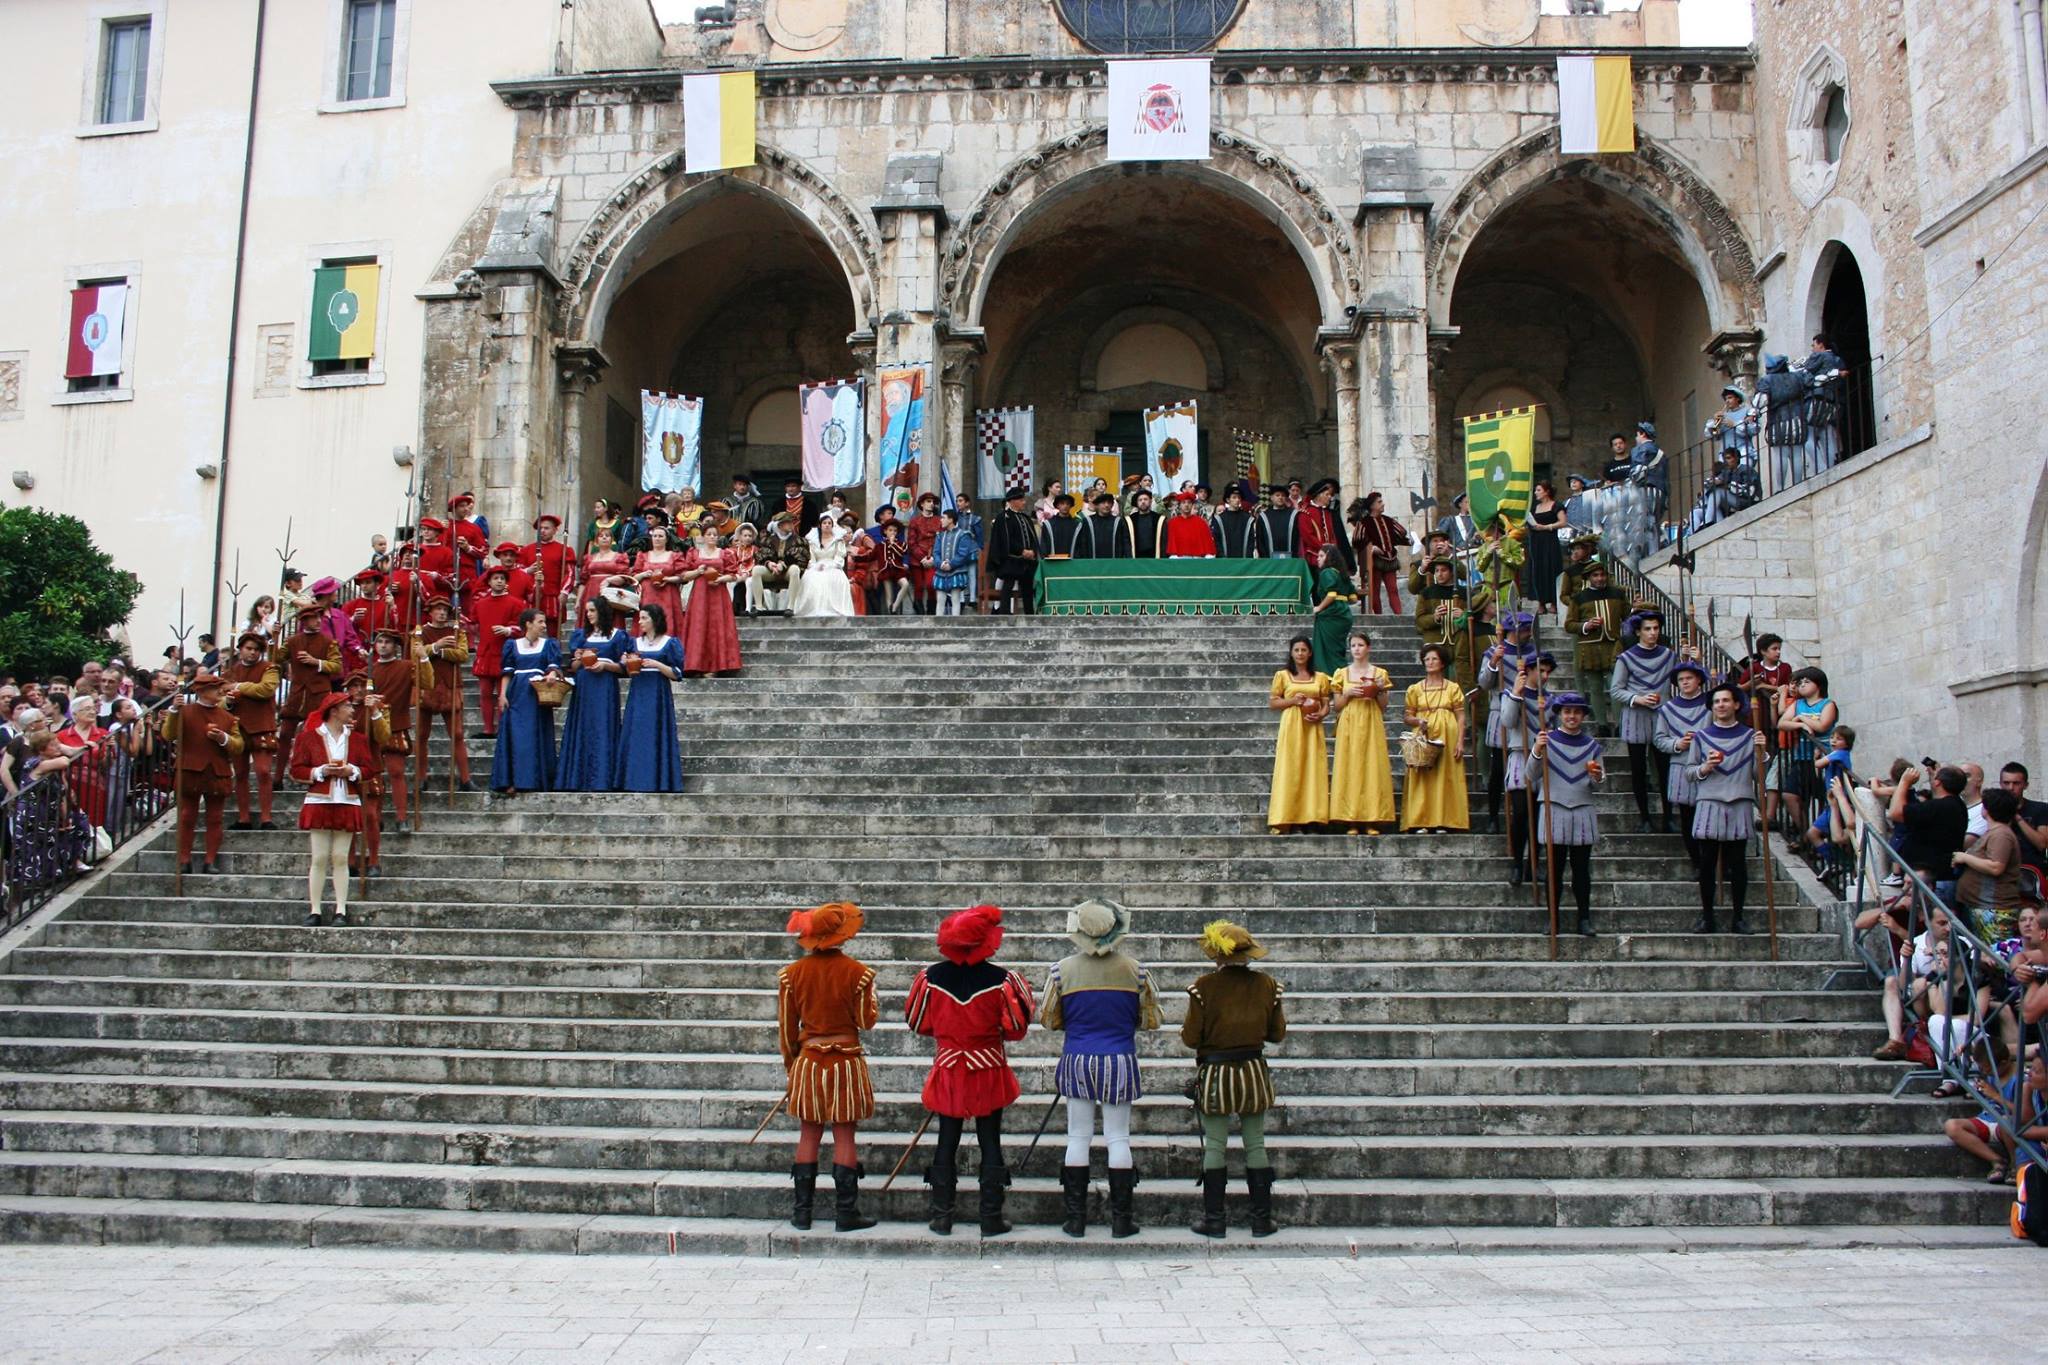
[196,1306]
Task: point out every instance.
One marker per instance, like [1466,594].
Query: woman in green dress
[1334,593]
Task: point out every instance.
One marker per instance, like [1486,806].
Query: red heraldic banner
[97,312]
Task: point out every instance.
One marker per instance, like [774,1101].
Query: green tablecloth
[1173,587]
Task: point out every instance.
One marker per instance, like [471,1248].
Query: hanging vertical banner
[1253,454]
[1003,440]
[344,321]
[718,121]
[1159,110]
[671,443]
[1172,452]
[1500,463]
[98,315]
[902,438]
[835,434]
[1595,103]
[1085,464]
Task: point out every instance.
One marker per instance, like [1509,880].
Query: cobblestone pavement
[197,1306]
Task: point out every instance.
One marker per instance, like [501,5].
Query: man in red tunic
[923,534]
[394,679]
[253,680]
[1320,527]
[1187,533]
[208,742]
[472,540]
[447,650]
[970,1007]
[553,565]
[497,620]
[373,608]
[437,560]
[519,583]
[312,663]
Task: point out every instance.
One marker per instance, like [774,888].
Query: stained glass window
[1134,26]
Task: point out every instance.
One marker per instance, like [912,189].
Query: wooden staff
[1764,840]
[769,1118]
[915,1138]
[1549,846]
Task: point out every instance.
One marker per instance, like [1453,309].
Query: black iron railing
[75,810]
[1774,447]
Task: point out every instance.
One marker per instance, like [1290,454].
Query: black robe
[1238,535]
[1141,535]
[1056,536]
[1010,535]
[1098,537]
[1280,532]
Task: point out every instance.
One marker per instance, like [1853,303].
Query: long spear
[915,1138]
[181,630]
[235,586]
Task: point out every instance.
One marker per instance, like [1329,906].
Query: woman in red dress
[331,757]
[711,638]
[661,575]
[970,1007]
[602,567]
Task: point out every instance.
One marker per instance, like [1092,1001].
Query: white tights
[950,600]
[330,857]
[1116,1133]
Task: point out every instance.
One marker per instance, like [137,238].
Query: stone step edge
[102,1222]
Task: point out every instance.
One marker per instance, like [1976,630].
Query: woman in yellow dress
[1436,707]
[1301,758]
[1362,791]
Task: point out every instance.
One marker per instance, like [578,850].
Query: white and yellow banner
[718,121]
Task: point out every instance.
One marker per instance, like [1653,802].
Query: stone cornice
[1367,66]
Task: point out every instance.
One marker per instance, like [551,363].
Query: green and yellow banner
[344,322]
[1500,463]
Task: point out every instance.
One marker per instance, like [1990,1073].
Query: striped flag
[835,434]
[1253,452]
[98,314]
[1595,103]
[718,121]
[1500,463]
[344,322]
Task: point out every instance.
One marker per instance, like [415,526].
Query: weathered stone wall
[611,35]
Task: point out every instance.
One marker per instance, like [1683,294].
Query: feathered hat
[828,926]
[1097,925]
[1225,942]
[971,936]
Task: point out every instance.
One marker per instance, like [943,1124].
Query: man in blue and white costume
[1100,998]
[1568,769]
[1521,717]
[1641,681]
[1721,762]
[1513,650]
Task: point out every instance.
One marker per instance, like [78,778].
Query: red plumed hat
[971,936]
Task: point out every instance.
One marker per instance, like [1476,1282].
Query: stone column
[910,218]
[578,367]
[1393,229]
[864,346]
[1339,352]
[959,358]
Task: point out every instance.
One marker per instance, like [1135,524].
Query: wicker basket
[551,691]
[1419,752]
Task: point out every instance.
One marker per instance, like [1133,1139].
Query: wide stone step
[294,1100]
[1159,1155]
[1163,1050]
[1340,1076]
[1300,1201]
[558,1004]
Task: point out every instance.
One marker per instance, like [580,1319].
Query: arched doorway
[1126,289]
[1844,318]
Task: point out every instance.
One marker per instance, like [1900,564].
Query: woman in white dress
[824,590]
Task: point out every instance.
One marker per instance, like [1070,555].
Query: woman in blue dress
[650,757]
[525,757]
[590,736]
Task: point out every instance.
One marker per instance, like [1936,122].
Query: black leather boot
[1586,925]
[994,1179]
[846,1202]
[804,1175]
[1259,1180]
[1211,1222]
[1074,1195]
[1122,1221]
[944,1181]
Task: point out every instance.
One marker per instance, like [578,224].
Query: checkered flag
[1003,445]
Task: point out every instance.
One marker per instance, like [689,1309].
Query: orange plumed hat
[828,926]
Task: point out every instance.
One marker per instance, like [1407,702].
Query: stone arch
[1186,324]
[1255,175]
[1548,394]
[1671,193]
[744,401]
[602,260]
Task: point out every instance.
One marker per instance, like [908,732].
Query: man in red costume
[497,620]
[447,650]
[1187,533]
[553,565]
[518,582]
[922,535]
[1320,527]
[208,743]
[437,561]
[472,539]
[970,1007]
[373,608]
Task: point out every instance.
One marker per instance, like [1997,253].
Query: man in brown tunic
[208,741]
[394,678]
[447,650]
[1233,1012]
[252,683]
[312,665]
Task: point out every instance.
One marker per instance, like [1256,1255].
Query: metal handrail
[1827,424]
[1969,1060]
[46,826]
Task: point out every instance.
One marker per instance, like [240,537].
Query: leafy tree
[59,594]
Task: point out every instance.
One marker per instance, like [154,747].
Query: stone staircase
[552,1028]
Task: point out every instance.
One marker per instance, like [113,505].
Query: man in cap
[1235,527]
[373,722]
[1143,530]
[1577,560]
[208,741]
[1101,530]
[334,620]
[1566,820]
[1648,467]
[1321,530]
[1057,533]
[446,646]
[1279,525]
[744,502]
[779,566]
[251,682]
[920,536]
[1593,620]
[1459,525]
[1638,684]
[1522,714]
[373,608]
[1187,534]
[552,564]
[471,534]
[801,506]
[1013,555]
[1382,538]
[497,623]
[312,665]
[395,680]
[1233,1013]
[291,594]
